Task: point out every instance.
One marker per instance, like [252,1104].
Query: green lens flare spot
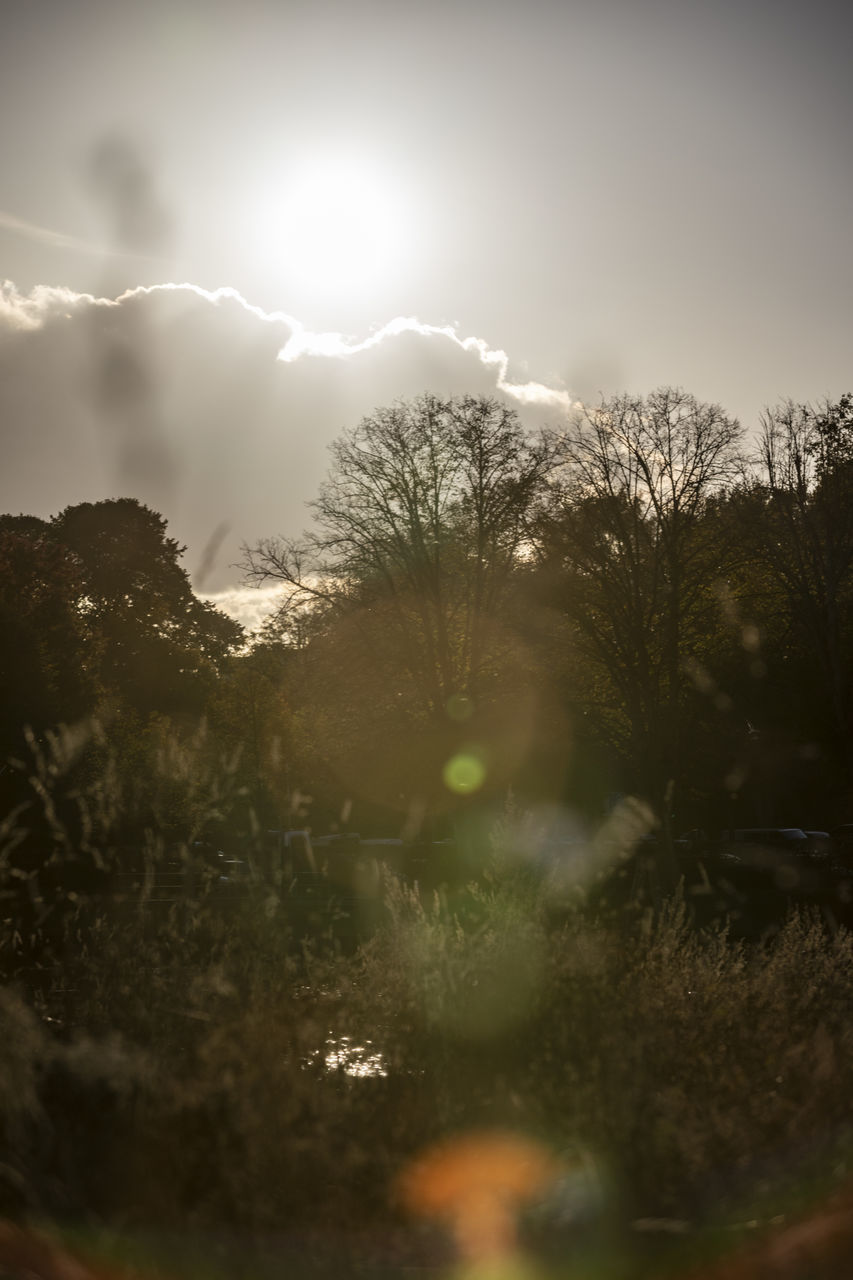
[464,773]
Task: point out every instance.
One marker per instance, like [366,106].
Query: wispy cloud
[59,240]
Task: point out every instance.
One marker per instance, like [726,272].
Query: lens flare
[465,772]
[477,1184]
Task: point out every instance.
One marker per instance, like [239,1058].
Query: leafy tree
[251,719]
[43,664]
[99,620]
[155,645]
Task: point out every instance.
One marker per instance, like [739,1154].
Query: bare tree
[420,522]
[630,536]
[800,524]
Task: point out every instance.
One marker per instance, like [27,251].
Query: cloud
[59,240]
[123,185]
[251,606]
[304,343]
[333,345]
[41,305]
[45,235]
[213,411]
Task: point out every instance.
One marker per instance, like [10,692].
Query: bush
[204,1064]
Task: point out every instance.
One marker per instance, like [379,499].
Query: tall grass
[206,1066]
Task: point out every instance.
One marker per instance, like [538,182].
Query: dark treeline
[644,603]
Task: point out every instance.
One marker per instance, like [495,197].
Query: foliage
[798,514]
[422,517]
[210,1073]
[106,665]
[44,671]
[420,527]
[251,720]
[191,1043]
[222,1059]
[155,640]
[629,548]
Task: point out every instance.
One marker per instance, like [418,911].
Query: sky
[229,230]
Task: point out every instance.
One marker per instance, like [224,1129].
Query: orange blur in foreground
[476,1185]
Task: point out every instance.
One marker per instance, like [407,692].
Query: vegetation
[189,1070]
[632,606]
[489,637]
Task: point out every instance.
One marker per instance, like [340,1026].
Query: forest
[515,658]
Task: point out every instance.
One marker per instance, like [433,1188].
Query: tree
[629,547]
[153,643]
[251,718]
[796,515]
[96,608]
[421,523]
[99,618]
[423,515]
[43,667]
[103,643]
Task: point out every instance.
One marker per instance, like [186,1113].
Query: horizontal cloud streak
[59,240]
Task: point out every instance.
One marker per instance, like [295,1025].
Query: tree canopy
[99,608]
[632,602]
[631,548]
[423,516]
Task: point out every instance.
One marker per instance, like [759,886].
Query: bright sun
[334,228]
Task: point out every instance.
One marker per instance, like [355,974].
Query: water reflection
[358,1060]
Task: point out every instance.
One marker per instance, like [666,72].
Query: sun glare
[333,227]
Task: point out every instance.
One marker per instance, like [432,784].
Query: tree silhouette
[423,516]
[629,550]
[420,524]
[153,642]
[45,674]
[797,519]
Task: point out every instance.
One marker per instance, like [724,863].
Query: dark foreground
[190,1089]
